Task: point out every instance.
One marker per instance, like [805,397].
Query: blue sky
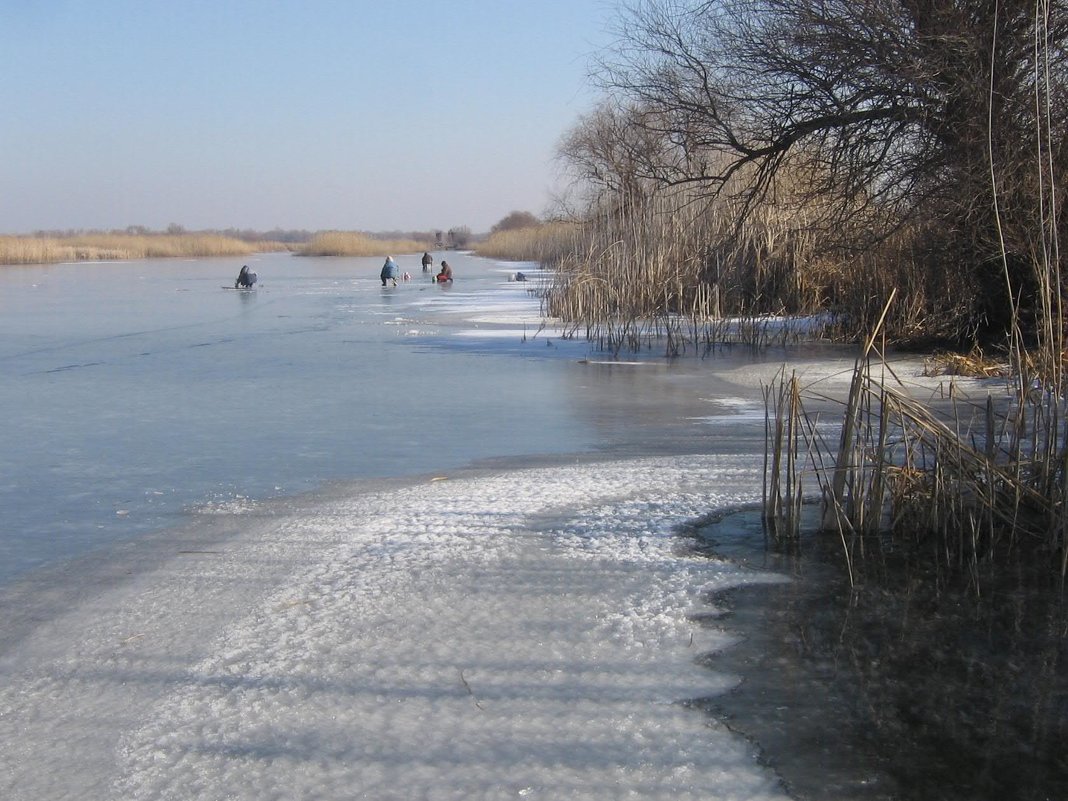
[401,115]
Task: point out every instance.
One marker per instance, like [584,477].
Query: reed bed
[356,243]
[115,247]
[704,260]
[656,266]
[665,269]
[546,243]
[973,480]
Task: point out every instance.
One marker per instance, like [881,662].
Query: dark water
[919,683]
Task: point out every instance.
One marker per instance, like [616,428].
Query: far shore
[120,246]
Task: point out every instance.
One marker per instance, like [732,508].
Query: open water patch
[910,685]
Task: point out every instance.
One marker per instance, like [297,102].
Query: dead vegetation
[975,479]
[118,247]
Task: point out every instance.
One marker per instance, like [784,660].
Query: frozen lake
[134,392]
[330,540]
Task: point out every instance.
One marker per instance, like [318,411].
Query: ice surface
[525,633]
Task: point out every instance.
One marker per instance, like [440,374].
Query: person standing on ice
[428,262]
[389,271]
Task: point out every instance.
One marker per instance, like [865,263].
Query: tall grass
[690,261]
[668,267]
[107,247]
[355,243]
[546,243]
[973,480]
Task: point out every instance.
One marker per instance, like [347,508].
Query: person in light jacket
[389,271]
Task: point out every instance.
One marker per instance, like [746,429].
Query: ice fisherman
[446,272]
[245,279]
[390,271]
[428,262]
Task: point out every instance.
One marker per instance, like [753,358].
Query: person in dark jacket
[428,262]
[245,279]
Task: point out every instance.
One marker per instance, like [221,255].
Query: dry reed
[977,481]
[114,247]
[667,269]
[355,243]
[548,242]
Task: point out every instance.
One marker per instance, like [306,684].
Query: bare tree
[613,153]
[894,112]
[459,237]
[515,220]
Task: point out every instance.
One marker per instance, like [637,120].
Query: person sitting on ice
[446,272]
[245,279]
